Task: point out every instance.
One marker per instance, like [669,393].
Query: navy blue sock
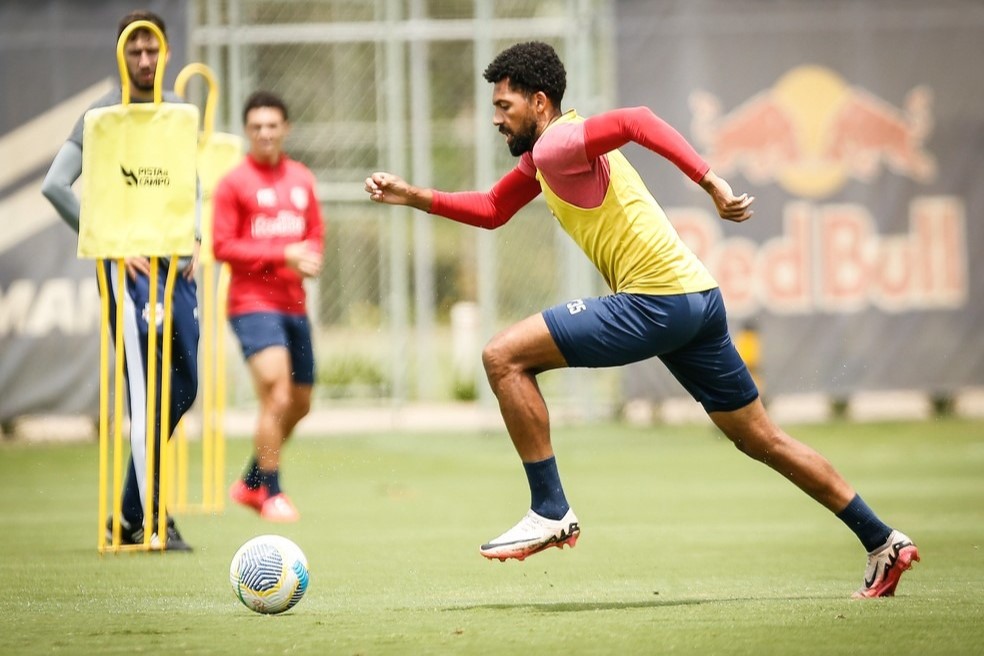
[252,476]
[546,492]
[861,519]
[271,480]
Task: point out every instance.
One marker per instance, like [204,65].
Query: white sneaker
[885,566]
[531,535]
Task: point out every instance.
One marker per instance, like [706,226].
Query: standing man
[665,302]
[267,225]
[141,52]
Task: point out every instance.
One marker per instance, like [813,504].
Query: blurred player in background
[141,52]
[665,302]
[267,225]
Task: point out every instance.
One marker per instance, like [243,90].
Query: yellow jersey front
[628,236]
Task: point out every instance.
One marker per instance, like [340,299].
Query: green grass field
[687,547]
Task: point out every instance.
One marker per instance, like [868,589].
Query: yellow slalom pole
[208,383]
[118,411]
[103,404]
[162,436]
[181,82]
[220,385]
[182,466]
[217,154]
[151,399]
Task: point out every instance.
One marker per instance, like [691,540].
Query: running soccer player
[665,302]
[267,225]
[141,53]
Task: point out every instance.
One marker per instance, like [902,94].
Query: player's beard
[523,140]
[135,77]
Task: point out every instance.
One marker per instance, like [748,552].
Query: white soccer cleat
[531,535]
[886,565]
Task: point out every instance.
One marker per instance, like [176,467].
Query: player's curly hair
[530,67]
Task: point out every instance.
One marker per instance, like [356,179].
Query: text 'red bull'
[831,258]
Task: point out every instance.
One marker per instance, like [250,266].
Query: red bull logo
[812,131]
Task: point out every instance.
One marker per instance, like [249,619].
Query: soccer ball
[269,574]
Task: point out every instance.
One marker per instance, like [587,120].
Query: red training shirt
[259,209]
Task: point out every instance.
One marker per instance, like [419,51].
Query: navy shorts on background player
[688,332]
[259,330]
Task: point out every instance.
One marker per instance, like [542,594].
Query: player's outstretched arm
[394,190]
[729,207]
[487,210]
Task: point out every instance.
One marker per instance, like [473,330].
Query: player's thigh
[621,328]
[709,366]
[264,341]
[270,369]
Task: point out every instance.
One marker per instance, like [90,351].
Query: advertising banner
[860,135]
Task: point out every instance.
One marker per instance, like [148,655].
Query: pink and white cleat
[886,565]
[247,496]
[279,508]
[531,535]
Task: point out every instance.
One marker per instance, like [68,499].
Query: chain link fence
[407,300]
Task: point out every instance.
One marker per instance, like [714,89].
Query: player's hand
[135,265]
[304,258]
[394,190]
[729,207]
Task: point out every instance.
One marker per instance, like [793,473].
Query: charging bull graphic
[811,131]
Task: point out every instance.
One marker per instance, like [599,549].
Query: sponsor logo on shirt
[299,198]
[285,224]
[266,197]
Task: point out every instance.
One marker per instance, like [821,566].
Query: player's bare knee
[277,401]
[495,359]
[761,446]
[300,406]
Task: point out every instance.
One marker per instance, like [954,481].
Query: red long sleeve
[227,244]
[490,209]
[610,130]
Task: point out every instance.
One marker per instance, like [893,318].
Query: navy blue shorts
[259,330]
[688,332]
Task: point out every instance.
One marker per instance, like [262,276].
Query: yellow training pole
[181,474]
[103,404]
[217,154]
[208,383]
[166,355]
[220,385]
[118,411]
[151,399]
